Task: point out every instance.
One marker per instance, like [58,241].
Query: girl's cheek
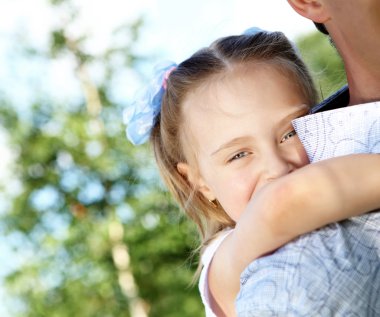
[301,153]
[304,158]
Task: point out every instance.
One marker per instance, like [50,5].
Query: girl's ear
[314,10]
[195,180]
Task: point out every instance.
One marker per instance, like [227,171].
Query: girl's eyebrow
[231,143]
[301,111]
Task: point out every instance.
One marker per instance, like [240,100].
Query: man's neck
[364,85]
[363,91]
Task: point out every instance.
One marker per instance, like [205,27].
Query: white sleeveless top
[207,257]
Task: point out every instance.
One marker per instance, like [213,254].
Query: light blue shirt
[334,271]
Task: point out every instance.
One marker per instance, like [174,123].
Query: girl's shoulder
[211,248]
[206,259]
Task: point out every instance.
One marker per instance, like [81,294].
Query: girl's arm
[300,202]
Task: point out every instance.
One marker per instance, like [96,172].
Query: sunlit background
[171,30]
[86,227]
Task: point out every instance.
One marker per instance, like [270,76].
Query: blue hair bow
[253,31]
[141,116]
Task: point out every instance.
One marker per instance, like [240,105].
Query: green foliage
[66,231]
[58,41]
[88,177]
[57,2]
[165,266]
[323,60]
[80,177]
[70,276]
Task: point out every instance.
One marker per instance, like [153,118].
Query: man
[334,271]
[354,27]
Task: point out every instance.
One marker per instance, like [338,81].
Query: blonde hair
[167,137]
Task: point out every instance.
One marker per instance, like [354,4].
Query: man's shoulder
[338,99]
[300,276]
[349,240]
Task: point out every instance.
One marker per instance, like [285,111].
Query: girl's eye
[288,136]
[238,156]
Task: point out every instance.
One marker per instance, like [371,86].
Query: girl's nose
[275,167]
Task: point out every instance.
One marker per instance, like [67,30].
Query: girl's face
[241,127]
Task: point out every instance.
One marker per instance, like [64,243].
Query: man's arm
[307,199]
[300,202]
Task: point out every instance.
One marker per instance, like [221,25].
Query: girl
[220,126]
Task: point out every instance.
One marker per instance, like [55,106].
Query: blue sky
[183,27]
[174,27]
[173,30]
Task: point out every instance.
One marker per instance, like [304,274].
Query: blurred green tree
[323,60]
[98,234]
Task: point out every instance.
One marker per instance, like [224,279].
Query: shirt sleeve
[330,272]
[349,130]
